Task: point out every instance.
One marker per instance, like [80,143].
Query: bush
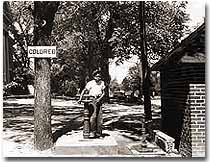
[14,88]
[69,88]
[55,85]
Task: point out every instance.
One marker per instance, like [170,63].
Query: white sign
[42,51]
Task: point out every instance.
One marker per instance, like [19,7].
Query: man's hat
[96,72]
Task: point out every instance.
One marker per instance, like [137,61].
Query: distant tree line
[132,84]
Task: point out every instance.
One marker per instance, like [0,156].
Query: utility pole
[145,66]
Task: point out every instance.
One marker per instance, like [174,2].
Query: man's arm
[81,95]
[102,95]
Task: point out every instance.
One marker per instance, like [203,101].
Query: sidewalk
[112,144]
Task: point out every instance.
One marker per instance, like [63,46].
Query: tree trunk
[42,107]
[106,54]
[141,80]
[43,12]
[82,80]
[145,66]
[106,77]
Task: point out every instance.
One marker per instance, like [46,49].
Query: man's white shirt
[95,89]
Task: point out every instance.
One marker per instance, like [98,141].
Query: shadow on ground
[67,126]
[18,120]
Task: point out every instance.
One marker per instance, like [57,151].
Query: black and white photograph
[108,79]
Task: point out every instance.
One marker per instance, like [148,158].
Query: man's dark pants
[95,116]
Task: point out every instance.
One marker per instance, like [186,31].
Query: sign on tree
[42,51]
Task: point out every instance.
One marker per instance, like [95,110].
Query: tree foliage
[165,25]
[112,30]
[155,83]
[114,86]
[21,30]
[89,33]
[133,81]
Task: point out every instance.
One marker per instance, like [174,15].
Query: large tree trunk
[43,12]
[145,66]
[42,108]
[106,54]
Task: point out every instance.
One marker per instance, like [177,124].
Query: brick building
[182,75]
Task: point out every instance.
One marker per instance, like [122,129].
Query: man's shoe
[98,135]
[92,135]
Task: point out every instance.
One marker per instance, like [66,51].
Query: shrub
[69,88]
[14,88]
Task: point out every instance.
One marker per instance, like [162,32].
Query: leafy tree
[68,63]
[75,39]
[133,81]
[151,34]
[155,82]
[165,24]
[22,32]
[114,86]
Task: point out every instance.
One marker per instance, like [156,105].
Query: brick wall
[196,104]
[179,104]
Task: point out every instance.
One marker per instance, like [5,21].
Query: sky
[196,10]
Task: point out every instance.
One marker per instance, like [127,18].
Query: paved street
[121,130]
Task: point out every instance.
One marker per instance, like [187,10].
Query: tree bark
[145,66]
[43,11]
[42,108]
[106,77]
[106,54]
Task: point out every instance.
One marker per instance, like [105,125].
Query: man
[95,89]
